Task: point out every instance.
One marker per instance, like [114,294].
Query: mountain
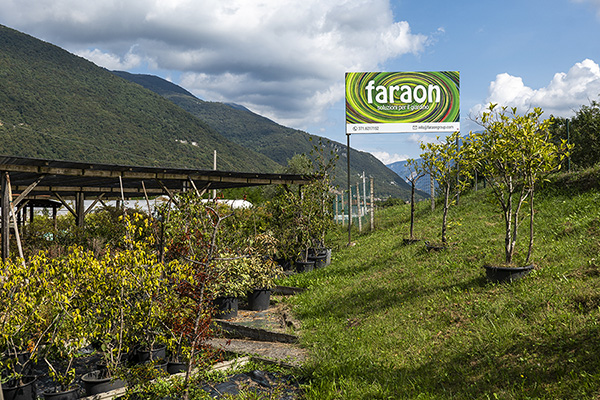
[56,105]
[275,141]
[423,184]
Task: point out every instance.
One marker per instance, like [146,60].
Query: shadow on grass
[377,297]
[570,370]
[574,371]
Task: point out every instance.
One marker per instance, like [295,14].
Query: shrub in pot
[126,308]
[263,271]
[27,317]
[18,302]
[513,153]
[68,307]
[301,218]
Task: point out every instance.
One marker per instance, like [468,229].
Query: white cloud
[422,138]
[565,93]
[112,61]
[388,158]
[285,59]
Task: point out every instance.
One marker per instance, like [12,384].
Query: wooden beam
[194,186]
[64,203]
[204,190]
[90,208]
[168,192]
[28,190]
[21,206]
[5,230]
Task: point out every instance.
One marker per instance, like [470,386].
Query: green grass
[389,321]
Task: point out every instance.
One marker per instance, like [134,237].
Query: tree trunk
[445,214]
[412,209]
[508,239]
[531,212]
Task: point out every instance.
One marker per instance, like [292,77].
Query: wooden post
[358,207]
[54,217]
[372,206]
[350,216]
[14,217]
[336,208]
[432,192]
[343,213]
[215,168]
[80,209]
[5,219]
[364,179]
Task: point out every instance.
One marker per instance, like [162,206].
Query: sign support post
[349,191]
[400,102]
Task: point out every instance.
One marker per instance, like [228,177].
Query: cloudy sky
[286,59]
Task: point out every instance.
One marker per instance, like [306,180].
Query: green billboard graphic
[390,102]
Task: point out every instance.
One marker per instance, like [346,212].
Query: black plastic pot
[285,264]
[226,307]
[304,266]
[18,360]
[26,390]
[320,259]
[506,274]
[435,246]
[97,381]
[259,299]
[321,256]
[143,355]
[72,394]
[176,367]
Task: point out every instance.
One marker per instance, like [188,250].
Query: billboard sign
[399,102]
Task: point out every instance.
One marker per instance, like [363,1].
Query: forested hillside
[54,104]
[275,141]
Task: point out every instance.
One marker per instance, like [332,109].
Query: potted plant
[263,271]
[20,339]
[302,218]
[513,152]
[68,308]
[232,280]
[125,310]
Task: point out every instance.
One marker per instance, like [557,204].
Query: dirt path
[270,335]
[281,353]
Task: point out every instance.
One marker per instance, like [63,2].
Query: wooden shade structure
[30,179]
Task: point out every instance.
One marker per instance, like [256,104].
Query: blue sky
[286,59]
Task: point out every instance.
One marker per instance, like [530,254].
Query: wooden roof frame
[33,178]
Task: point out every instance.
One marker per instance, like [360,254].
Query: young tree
[513,153]
[441,160]
[415,172]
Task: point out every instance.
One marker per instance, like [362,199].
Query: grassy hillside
[389,321]
[57,105]
[275,141]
